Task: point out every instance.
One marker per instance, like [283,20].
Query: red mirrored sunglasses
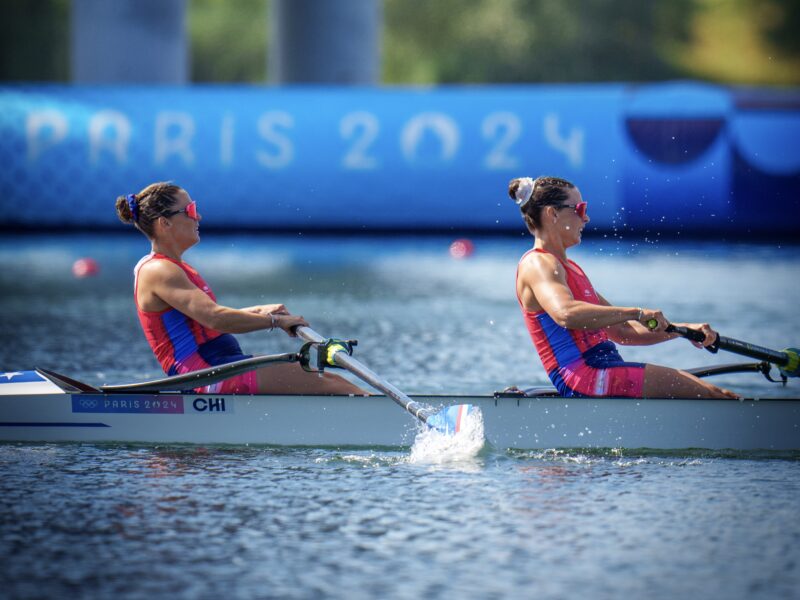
[190,210]
[580,208]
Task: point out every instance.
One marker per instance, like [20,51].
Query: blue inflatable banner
[651,158]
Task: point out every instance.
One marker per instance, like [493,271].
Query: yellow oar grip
[331,351]
[792,368]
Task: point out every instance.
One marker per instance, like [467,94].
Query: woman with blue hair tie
[183,323]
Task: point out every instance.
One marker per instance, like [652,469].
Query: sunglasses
[580,208]
[190,210]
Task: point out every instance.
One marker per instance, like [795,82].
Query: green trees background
[729,41]
[474,41]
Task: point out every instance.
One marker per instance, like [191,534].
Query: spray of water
[436,448]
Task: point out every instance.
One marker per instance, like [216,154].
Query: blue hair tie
[134,206]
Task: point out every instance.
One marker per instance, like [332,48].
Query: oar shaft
[732,345]
[754,351]
[360,370]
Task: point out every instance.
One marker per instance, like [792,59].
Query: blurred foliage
[34,40]
[743,41]
[228,40]
[531,40]
[473,41]
[783,26]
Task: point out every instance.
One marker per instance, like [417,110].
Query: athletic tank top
[174,336]
[558,346]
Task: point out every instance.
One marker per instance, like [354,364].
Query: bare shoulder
[540,266]
[159,271]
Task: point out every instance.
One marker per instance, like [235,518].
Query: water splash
[433,447]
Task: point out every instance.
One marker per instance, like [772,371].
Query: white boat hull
[47,414]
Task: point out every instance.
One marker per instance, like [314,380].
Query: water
[90,521]
[424,321]
[93,521]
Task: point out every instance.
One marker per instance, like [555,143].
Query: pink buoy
[85,267]
[462,248]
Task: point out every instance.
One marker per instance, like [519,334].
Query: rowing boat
[38,408]
[44,406]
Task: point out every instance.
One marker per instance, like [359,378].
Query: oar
[788,360]
[201,377]
[448,420]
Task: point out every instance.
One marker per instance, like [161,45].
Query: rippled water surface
[98,521]
[244,523]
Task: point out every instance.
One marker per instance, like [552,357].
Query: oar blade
[452,419]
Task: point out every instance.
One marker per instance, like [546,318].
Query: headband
[525,191]
[134,206]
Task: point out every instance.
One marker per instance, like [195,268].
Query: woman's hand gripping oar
[787,360]
[448,420]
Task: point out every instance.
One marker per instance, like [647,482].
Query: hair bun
[524,191]
[124,210]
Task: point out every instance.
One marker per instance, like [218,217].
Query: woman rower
[572,326]
[182,321]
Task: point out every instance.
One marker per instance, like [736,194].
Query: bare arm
[543,282]
[634,333]
[167,283]
[267,309]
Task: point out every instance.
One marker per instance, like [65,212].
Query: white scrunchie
[525,191]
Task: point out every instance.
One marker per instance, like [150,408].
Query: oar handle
[691,334]
[344,360]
